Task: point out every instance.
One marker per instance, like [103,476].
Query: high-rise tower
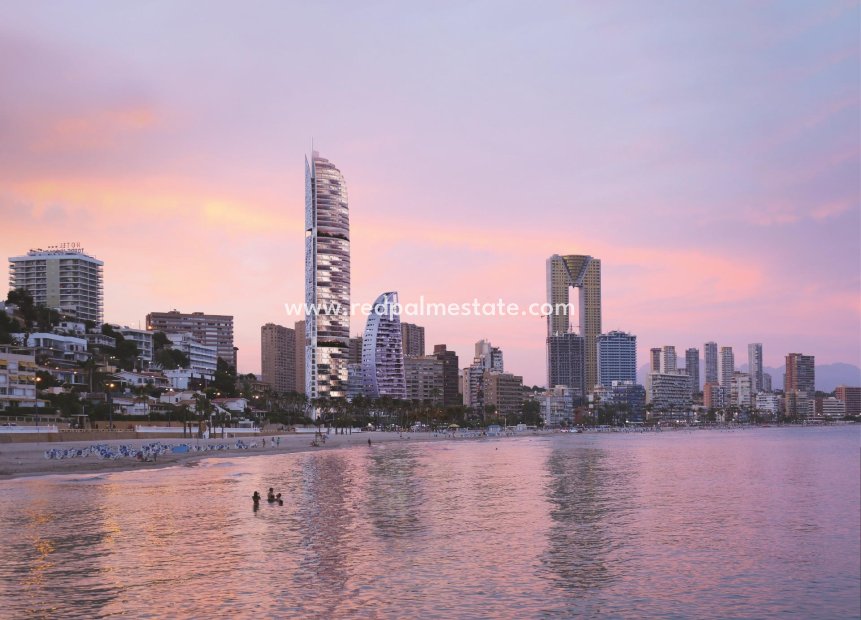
[327,279]
[692,368]
[754,365]
[727,366]
[710,352]
[583,273]
[382,351]
[63,278]
[617,358]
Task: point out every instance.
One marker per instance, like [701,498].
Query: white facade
[382,353]
[201,357]
[768,403]
[63,278]
[833,408]
[70,349]
[327,279]
[142,339]
[181,378]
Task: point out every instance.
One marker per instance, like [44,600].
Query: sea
[745,523]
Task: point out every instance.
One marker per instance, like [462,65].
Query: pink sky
[708,155]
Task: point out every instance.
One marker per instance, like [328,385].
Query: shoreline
[27,460]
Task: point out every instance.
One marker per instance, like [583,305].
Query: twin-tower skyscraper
[564,366]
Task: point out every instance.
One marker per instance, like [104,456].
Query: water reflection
[395,493]
[587,493]
[660,525]
[326,515]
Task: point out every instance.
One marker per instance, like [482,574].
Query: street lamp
[110,396]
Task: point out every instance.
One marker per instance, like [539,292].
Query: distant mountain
[828,376]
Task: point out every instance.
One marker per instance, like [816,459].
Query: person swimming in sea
[270,497]
[256,499]
[279,500]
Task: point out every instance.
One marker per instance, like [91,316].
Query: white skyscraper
[382,350]
[327,279]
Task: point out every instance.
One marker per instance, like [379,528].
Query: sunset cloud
[711,161]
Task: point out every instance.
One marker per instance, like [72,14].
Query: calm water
[759,523]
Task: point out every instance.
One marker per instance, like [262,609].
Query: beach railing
[28,429]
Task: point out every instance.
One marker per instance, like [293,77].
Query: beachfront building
[715,396]
[18,378]
[727,366]
[504,391]
[424,378]
[327,279]
[799,384]
[566,356]
[799,405]
[627,395]
[382,355]
[557,406]
[710,352]
[584,274]
[413,339]
[669,391]
[450,375]
[768,404]
[851,397]
[754,366]
[692,368]
[741,390]
[472,382]
[831,407]
[617,357]
[277,356]
[62,277]
[211,330]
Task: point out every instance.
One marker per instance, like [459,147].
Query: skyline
[723,207]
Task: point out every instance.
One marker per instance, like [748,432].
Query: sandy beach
[28,459]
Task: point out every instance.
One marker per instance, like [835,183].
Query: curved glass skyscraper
[327,279]
[382,350]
